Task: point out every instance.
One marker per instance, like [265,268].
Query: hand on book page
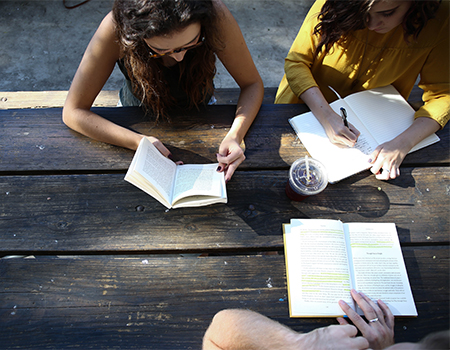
[388,156]
[379,328]
[337,131]
[172,184]
[163,149]
[381,116]
[230,156]
[326,259]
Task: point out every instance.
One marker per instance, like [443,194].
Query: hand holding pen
[347,135]
[344,116]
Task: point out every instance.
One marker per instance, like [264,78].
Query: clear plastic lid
[308,185]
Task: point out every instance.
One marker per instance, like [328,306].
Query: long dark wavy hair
[338,18]
[137,20]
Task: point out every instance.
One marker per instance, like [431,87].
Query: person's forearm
[247,108]
[420,129]
[244,329]
[336,130]
[317,103]
[100,129]
[238,329]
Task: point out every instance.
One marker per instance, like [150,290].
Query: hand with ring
[379,330]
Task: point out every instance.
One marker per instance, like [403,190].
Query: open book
[175,186]
[326,258]
[380,115]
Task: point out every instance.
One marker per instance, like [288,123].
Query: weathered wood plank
[51,99]
[37,140]
[167,302]
[89,213]
[106,98]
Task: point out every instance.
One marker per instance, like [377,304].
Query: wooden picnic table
[90,261]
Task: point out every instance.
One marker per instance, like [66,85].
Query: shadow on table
[266,208]
[259,199]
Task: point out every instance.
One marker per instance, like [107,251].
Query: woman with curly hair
[167,52]
[357,45]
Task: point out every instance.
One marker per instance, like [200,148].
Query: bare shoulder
[105,38]
[107,28]
[223,12]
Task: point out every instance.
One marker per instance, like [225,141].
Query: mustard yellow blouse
[388,59]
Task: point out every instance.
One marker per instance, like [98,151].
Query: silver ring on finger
[373,320]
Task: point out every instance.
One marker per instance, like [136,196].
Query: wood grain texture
[90,281]
[37,140]
[106,98]
[156,302]
[101,213]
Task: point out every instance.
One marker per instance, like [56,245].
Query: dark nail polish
[219,168]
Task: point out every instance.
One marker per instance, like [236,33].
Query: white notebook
[383,111]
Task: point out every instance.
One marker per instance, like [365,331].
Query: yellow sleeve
[434,80]
[298,77]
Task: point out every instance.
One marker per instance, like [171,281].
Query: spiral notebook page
[385,113]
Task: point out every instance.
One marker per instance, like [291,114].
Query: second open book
[326,258]
[380,115]
[175,186]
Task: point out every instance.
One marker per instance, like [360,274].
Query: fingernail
[370,160]
[226,181]
[219,168]
[170,156]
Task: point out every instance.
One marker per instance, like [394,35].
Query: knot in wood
[62,225]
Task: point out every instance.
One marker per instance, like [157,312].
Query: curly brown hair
[338,18]
[137,20]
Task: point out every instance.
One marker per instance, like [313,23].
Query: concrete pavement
[42,42]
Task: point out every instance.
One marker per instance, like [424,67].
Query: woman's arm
[237,60]
[433,115]
[303,85]
[94,70]
[333,124]
[388,157]
[237,329]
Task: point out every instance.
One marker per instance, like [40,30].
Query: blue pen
[344,116]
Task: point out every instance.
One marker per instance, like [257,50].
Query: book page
[340,162]
[317,267]
[159,170]
[385,113]
[151,172]
[379,269]
[198,180]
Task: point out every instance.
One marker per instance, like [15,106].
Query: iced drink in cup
[307,177]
